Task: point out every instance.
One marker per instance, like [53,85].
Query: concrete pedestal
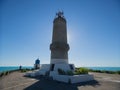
[74,78]
[44,68]
[54,68]
[59,61]
[63,66]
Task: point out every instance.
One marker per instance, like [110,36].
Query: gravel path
[17,81]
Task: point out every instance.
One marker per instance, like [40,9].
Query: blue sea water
[9,68]
[105,68]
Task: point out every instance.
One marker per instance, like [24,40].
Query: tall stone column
[59,46]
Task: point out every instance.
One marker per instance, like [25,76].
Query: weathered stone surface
[74,78]
[59,46]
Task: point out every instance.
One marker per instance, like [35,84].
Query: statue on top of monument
[60,14]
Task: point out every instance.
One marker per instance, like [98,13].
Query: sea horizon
[9,68]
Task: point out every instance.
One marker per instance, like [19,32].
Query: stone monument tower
[59,47]
[59,56]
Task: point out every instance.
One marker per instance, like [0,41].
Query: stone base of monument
[63,66]
[52,69]
[73,79]
[66,78]
[44,68]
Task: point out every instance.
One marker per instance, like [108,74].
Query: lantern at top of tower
[60,17]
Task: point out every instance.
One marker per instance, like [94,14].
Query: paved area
[17,81]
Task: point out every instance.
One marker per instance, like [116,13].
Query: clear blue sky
[93,28]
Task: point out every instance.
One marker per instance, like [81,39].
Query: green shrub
[1,74]
[110,72]
[69,72]
[118,72]
[23,70]
[61,72]
[105,71]
[81,71]
[4,73]
[7,72]
[77,71]
[32,69]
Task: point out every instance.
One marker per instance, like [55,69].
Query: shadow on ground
[46,83]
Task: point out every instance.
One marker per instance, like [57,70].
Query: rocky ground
[17,81]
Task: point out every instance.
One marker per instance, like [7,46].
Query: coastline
[17,80]
[25,69]
[9,68]
[12,68]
